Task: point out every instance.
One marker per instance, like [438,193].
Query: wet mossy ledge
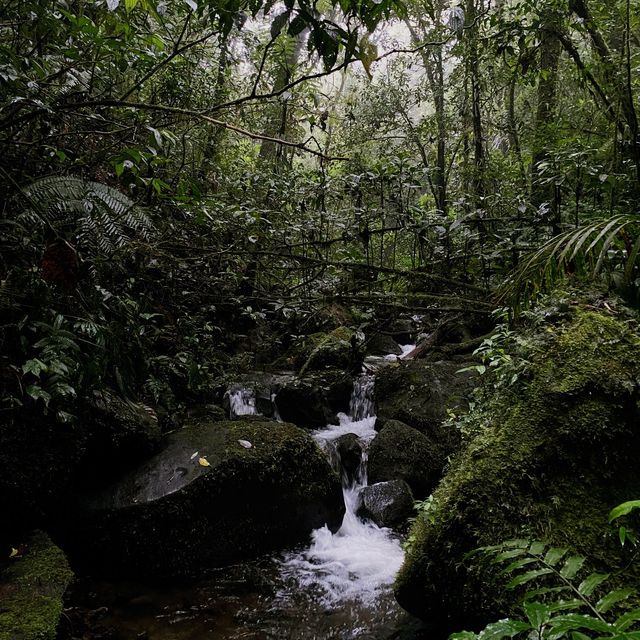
[216,493]
[31,589]
[546,459]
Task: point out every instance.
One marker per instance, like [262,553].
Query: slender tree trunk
[544,134]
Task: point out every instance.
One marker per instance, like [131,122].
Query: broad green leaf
[554,555]
[463,635]
[130,4]
[34,366]
[627,619]
[537,548]
[507,555]
[537,613]
[623,509]
[523,562]
[574,621]
[589,584]
[527,577]
[572,565]
[503,629]
[611,599]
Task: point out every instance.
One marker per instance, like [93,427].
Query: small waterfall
[361,404]
[359,562]
[242,401]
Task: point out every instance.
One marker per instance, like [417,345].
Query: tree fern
[611,243]
[97,218]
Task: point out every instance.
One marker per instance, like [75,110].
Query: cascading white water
[358,562]
[242,401]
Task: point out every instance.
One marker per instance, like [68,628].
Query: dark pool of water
[248,601]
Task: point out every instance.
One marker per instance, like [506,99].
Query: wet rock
[380,344]
[386,503]
[303,403]
[341,348]
[419,393]
[401,330]
[403,453]
[31,590]
[547,458]
[349,450]
[207,500]
[313,401]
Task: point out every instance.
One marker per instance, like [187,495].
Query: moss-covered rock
[31,590]
[341,348]
[400,452]
[419,394]
[217,492]
[314,400]
[550,457]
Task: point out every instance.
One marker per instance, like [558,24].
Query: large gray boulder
[386,503]
[217,492]
[400,452]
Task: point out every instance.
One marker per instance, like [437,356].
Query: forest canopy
[177,174]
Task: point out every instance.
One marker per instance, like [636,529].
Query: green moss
[549,458]
[31,590]
[339,348]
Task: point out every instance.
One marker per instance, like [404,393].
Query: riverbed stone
[32,584]
[420,393]
[381,344]
[216,493]
[546,459]
[349,450]
[386,503]
[400,452]
[314,400]
[341,348]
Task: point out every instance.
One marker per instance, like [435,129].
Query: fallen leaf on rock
[245,443]
[203,462]
[194,455]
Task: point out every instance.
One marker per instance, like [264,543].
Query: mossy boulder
[547,459]
[31,590]
[386,503]
[314,400]
[420,393]
[400,452]
[341,348]
[380,344]
[216,493]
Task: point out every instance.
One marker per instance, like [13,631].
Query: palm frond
[611,244]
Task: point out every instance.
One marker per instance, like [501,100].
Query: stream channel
[338,586]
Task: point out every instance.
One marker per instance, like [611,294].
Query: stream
[337,587]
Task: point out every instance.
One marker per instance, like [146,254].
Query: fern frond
[610,242]
[100,218]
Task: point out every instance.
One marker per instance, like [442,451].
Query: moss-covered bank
[31,590]
[550,457]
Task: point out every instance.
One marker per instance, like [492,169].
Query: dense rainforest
[201,193]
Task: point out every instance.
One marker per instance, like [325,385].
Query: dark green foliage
[561,599]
